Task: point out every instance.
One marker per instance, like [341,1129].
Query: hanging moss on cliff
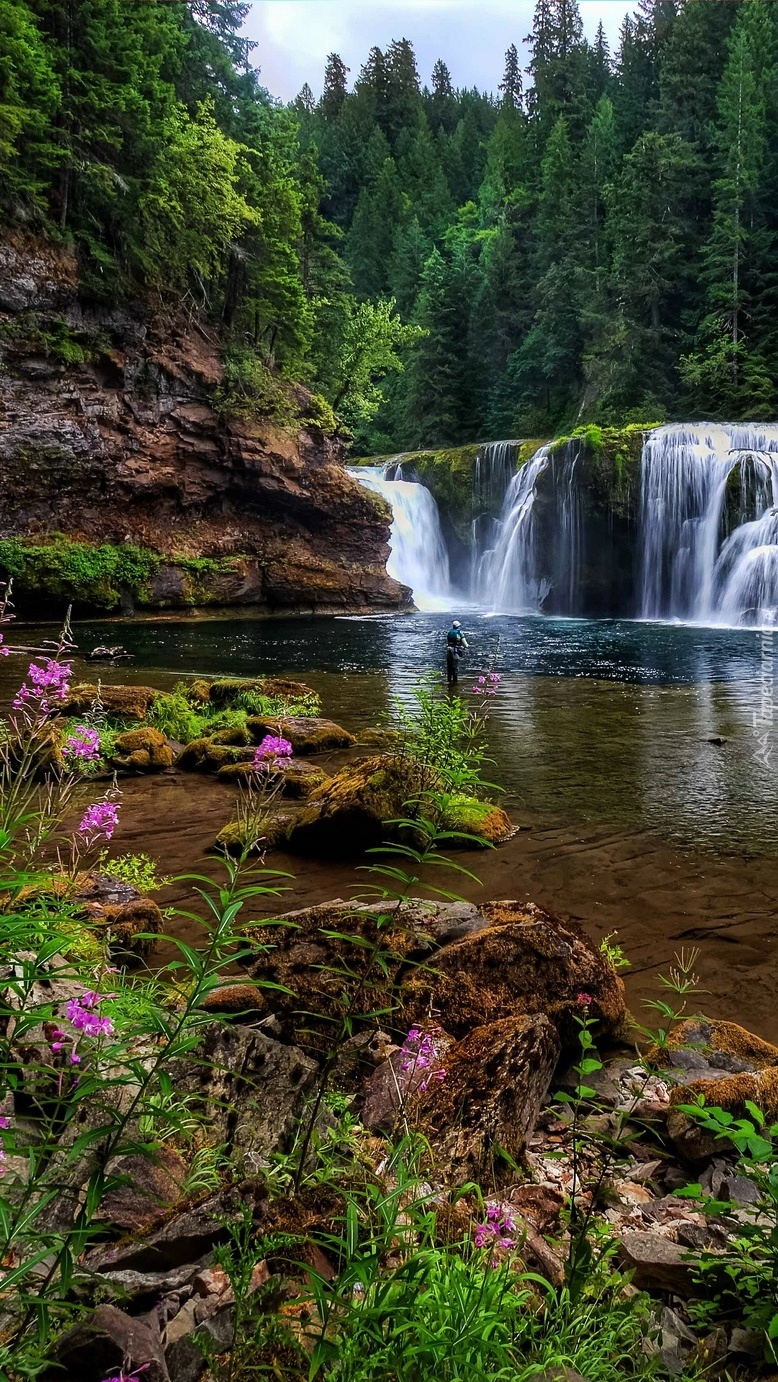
[612,456]
[102,577]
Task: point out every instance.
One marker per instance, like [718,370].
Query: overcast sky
[295,36]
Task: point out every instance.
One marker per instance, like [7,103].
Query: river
[627,752]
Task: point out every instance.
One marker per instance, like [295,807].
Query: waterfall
[418,556]
[495,467]
[507,576]
[690,568]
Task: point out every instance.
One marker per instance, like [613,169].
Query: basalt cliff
[124,486]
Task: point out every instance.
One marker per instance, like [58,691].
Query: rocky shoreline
[490,999]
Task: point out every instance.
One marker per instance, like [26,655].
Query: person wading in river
[455,646]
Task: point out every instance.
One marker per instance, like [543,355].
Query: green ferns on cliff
[98,577]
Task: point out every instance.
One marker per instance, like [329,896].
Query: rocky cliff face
[109,436]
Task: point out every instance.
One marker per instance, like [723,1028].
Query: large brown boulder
[306,733]
[206,756]
[323,960]
[527,961]
[495,1082]
[226,690]
[143,750]
[129,702]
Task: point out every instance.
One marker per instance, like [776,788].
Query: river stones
[725,1063]
[525,961]
[143,750]
[349,814]
[306,733]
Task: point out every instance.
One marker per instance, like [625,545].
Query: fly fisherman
[455,646]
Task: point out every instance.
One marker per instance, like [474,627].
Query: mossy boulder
[257,837]
[225,691]
[349,814]
[128,929]
[355,809]
[482,822]
[306,734]
[526,961]
[125,702]
[299,779]
[204,756]
[143,750]
[232,734]
[316,958]
[726,1064]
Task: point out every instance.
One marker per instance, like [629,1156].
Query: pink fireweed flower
[123,1376]
[496,1231]
[99,821]
[584,1000]
[273,753]
[83,744]
[86,1020]
[47,685]
[419,1051]
[5,1123]
[3,651]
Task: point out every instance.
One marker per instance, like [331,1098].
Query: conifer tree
[334,93]
[511,85]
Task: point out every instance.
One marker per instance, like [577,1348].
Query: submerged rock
[299,779]
[526,961]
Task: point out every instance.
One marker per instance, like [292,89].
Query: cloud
[294,36]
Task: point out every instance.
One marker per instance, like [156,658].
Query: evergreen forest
[592,241]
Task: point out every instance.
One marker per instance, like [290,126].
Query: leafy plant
[138,870]
[746,1270]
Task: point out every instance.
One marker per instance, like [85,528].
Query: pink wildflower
[584,1000]
[48,683]
[87,1021]
[3,651]
[272,753]
[127,1376]
[5,1122]
[83,744]
[496,1231]
[99,821]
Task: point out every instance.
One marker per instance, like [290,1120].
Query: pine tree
[441,103]
[305,101]
[740,249]
[511,84]
[334,93]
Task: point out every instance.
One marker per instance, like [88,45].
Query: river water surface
[627,751]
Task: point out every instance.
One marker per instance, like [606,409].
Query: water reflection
[596,722]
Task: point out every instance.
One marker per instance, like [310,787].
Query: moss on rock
[482,821]
[204,756]
[306,734]
[123,702]
[144,750]
[526,961]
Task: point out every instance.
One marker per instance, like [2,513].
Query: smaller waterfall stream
[507,575]
[418,555]
[690,568]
